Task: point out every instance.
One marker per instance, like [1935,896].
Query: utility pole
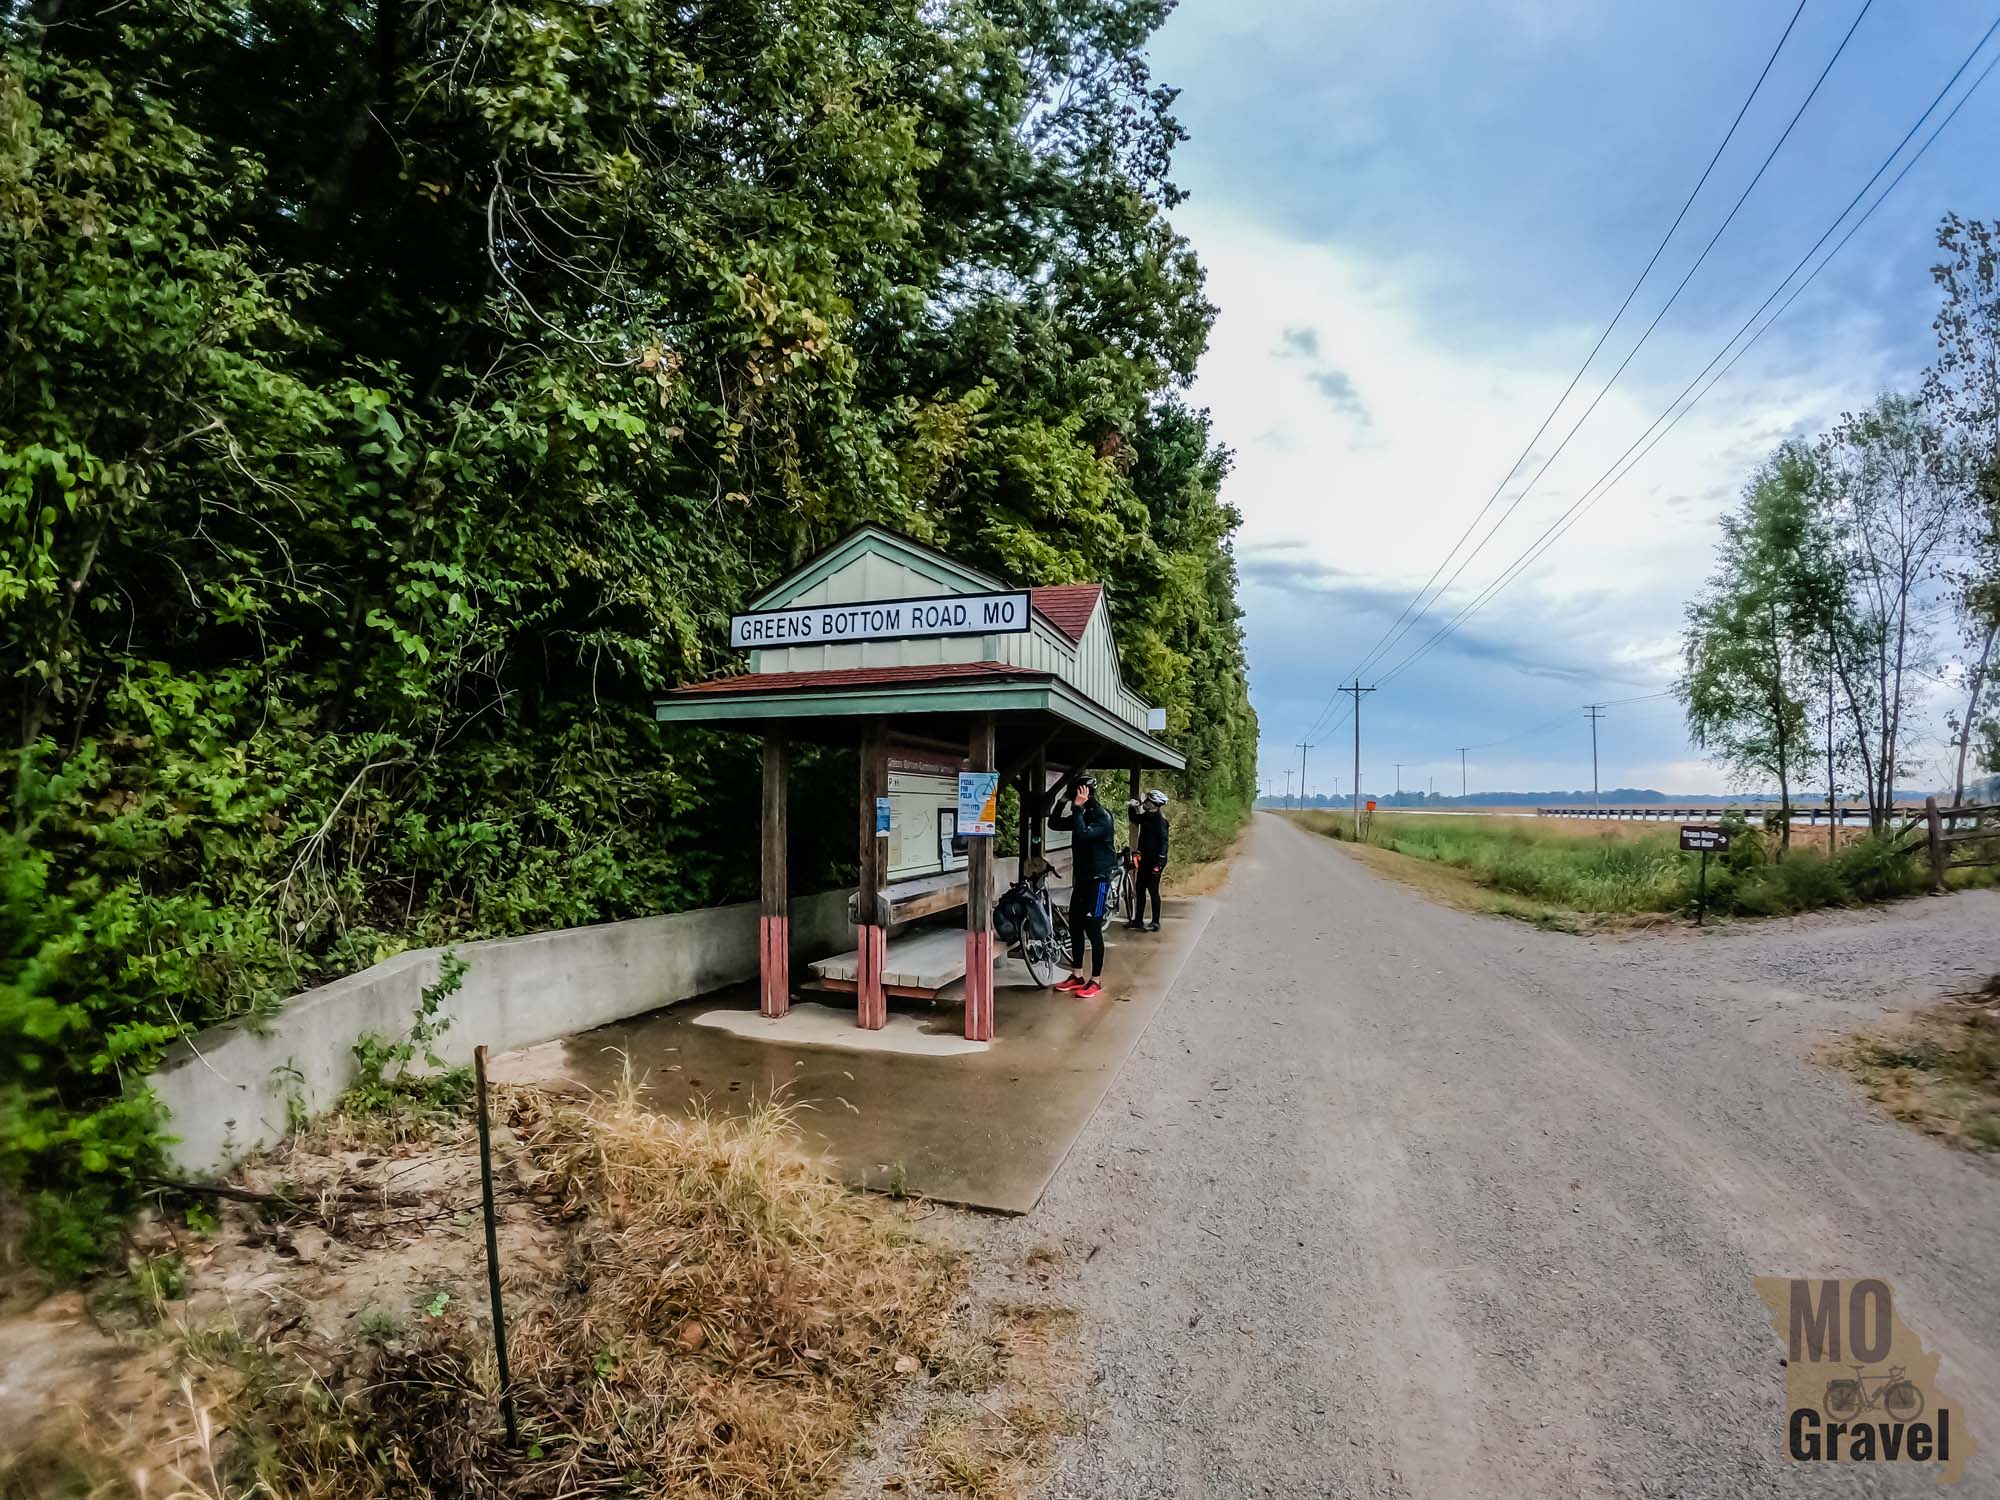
[1461,771]
[1336,789]
[1832,791]
[1288,791]
[1357,690]
[1303,747]
[1399,781]
[1593,712]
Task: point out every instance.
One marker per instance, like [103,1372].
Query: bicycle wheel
[1903,1401]
[1842,1399]
[1038,947]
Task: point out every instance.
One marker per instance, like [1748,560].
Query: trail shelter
[930,669]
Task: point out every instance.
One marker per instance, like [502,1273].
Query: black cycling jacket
[1153,835]
[1093,841]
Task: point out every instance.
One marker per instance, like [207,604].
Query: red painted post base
[871,1003]
[774,965]
[979,986]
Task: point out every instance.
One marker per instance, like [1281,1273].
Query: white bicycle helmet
[1157,797]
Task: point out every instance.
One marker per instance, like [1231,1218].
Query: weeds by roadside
[695,1310]
[1938,1070]
[1625,869]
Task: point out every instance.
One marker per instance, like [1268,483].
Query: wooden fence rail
[1975,826]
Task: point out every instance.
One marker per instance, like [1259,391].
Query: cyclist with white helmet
[1152,857]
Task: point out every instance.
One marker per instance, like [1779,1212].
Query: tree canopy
[396,397]
[1862,566]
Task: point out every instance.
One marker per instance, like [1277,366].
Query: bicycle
[1123,897]
[1034,928]
[1894,1393]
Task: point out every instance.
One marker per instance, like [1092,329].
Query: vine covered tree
[395,398]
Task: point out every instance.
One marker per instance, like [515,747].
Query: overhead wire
[1632,353]
[1620,466]
[1385,640]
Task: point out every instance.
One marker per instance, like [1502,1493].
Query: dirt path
[1395,1200]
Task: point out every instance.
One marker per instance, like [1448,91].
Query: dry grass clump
[993,1444]
[1938,1069]
[82,1457]
[704,1314]
[732,1315]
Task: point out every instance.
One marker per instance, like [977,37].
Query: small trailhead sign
[1708,839]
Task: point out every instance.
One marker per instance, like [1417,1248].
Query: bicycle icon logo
[1893,1393]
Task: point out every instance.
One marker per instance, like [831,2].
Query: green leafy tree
[1891,508]
[1755,635]
[1962,396]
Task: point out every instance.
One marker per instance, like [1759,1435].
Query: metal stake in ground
[493,1249]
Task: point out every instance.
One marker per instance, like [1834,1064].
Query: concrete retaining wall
[235,1089]
[238,1088]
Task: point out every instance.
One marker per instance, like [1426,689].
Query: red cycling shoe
[1070,984]
[1090,989]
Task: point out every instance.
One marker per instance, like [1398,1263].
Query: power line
[1389,644]
[1595,349]
[1611,476]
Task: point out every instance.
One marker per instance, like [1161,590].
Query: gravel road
[1395,1200]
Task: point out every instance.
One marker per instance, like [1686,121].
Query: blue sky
[1416,219]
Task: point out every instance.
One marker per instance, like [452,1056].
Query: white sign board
[882,620]
[978,804]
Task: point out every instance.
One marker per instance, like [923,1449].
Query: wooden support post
[1131,912]
[774,923]
[872,938]
[1934,837]
[1035,816]
[979,903]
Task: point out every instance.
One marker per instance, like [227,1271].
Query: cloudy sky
[1417,217]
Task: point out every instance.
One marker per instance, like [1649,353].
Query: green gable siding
[873,564]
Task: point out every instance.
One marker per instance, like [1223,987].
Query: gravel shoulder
[1395,1200]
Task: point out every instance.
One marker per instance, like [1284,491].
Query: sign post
[1707,839]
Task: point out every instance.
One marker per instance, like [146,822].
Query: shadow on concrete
[985,1129]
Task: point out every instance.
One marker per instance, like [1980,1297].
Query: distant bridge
[1754,812]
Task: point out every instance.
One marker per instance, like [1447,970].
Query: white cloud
[1350,515]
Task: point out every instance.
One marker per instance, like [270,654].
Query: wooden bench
[919,964]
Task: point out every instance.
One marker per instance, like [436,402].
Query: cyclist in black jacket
[1152,857]
[1093,853]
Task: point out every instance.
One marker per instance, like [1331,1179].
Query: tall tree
[1754,639]
[1962,396]
[393,398]
[1893,507]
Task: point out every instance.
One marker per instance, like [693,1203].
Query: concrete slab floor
[985,1129]
[810,1023]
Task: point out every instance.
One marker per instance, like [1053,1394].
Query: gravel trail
[1395,1200]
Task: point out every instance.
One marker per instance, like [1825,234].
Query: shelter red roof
[1067,606]
[860,677]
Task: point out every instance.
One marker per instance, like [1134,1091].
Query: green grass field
[1615,869]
